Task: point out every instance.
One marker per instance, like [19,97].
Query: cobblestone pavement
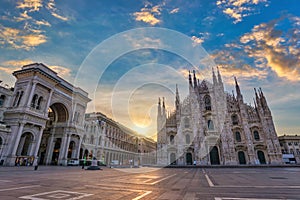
[62,183]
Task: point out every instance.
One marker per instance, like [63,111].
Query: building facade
[290,144]
[212,127]
[114,144]
[45,116]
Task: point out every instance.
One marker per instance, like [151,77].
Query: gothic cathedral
[213,127]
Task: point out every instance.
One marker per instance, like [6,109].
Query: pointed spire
[238,91]
[214,76]
[195,79]
[177,98]
[190,79]
[159,101]
[219,75]
[163,105]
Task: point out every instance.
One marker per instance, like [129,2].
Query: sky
[126,54]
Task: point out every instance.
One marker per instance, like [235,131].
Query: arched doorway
[189,159]
[25,144]
[71,149]
[56,151]
[214,156]
[173,159]
[261,157]
[241,156]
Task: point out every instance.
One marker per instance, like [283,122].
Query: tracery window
[238,136]
[256,135]
[207,102]
[210,125]
[234,119]
[172,139]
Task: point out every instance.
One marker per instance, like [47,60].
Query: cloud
[267,47]
[149,14]
[275,47]
[61,71]
[19,39]
[238,9]
[197,40]
[54,12]
[59,16]
[32,5]
[175,10]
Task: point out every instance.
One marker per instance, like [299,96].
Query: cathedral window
[84,139]
[186,123]
[2,99]
[256,135]
[172,139]
[234,119]
[187,139]
[238,136]
[33,101]
[207,103]
[39,103]
[210,125]
[289,143]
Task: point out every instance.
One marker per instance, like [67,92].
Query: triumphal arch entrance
[46,117]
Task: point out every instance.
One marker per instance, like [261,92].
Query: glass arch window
[256,135]
[210,125]
[238,136]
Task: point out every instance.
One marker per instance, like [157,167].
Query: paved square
[71,183]
[58,194]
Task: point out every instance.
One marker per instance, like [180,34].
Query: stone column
[17,140]
[31,94]
[78,148]
[48,103]
[67,147]
[49,150]
[37,145]
[62,149]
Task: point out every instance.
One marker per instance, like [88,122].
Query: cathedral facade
[213,127]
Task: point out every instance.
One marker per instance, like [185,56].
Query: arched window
[1,141]
[238,136]
[84,138]
[187,139]
[234,119]
[16,99]
[33,101]
[210,125]
[172,139]
[20,98]
[186,123]
[256,135]
[207,102]
[92,139]
[2,99]
[39,103]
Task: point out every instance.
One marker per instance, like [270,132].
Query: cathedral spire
[219,76]
[195,79]
[238,91]
[190,79]
[214,76]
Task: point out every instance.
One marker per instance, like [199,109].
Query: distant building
[290,144]
[212,127]
[112,143]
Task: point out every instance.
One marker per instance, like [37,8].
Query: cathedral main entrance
[189,159]
[214,156]
[242,159]
[261,157]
